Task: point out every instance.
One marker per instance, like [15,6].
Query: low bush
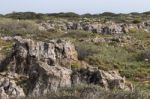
[17,27]
[144,56]
[136,21]
[93,92]
[133,30]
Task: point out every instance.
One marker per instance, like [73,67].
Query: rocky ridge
[95,27]
[36,68]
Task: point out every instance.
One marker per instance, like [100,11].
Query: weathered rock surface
[95,27]
[9,88]
[44,79]
[39,63]
[37,68]
[106,79]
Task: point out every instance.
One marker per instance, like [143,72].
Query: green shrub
[136,21]
[144,56]
[24,15]
[133,30]
[6,46]
[17,27]
[75,65]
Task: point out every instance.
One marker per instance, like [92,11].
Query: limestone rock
[44,78]
[8,88]
[37,68]
[92,26]
[40,63]
[106,79]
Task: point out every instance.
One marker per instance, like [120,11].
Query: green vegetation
[12,27]
[131,58]
[5,47]
[93,92]
[25,15]
[104,16]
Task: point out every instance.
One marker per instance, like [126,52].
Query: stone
[37,68]
[98,40]
[106,79]
[48,79]
[95,27]
[41,64]
[8,88]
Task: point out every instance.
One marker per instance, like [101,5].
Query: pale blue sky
[78,6]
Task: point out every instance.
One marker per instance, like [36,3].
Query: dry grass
[93,92]
[17,27]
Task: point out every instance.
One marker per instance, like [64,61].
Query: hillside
[69,55]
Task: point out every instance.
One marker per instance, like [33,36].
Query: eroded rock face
[106,79]
[95,27]
[40,63]
[43,79]
[37,68]
[53,53]
[9,88]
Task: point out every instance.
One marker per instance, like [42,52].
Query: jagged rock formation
[39,63]
[95,27]
[9,88]
[108,80]
[36,68]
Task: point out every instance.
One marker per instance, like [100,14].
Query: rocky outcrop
[9,88]
[106,79]
[39,63]
[44,79]
[52,26]
[37,68]
[95,27]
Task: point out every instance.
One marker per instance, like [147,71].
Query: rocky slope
[36,68]
[95,27]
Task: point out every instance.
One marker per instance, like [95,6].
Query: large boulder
[44,78]
[41,64]
[73,26]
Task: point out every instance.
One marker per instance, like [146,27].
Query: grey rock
[92,26]
[106,79]
[41,63]
[8,88]
[44,67]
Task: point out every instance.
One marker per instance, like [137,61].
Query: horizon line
[140,12]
